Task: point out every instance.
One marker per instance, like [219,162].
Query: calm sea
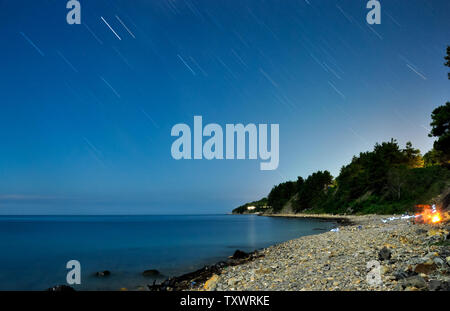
[34,250]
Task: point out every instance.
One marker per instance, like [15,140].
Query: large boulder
[414,281]
[151,273]
[384,254]
[61,288]
[103,273]
[238,254]
[400,275]
[425,267]
[437,285]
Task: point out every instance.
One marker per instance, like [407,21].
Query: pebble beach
[366,253]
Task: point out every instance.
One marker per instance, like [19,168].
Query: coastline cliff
[386,180]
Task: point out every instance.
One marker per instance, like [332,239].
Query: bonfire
[428,214]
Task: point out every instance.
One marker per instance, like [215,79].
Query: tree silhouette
[440,125]
[447,58]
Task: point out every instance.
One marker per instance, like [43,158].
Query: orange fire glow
[429,214]
[436,218]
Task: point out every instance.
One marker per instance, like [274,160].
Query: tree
[384,157]
[440,128]
[440,125]
[413,156]
[369,172]
[281,194]
[447,58]
[396,181]
[300,182]
[313,190]
[432,158]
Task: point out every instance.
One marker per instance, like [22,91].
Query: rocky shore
[368,254]
[365,253]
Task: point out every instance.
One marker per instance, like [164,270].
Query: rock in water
[384,254]
[103,273]
[61,288]
[238,254]
[151,272]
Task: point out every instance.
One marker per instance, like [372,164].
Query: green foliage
[387,180]
[313,190]
[374,171]
[280,194]
[440,126]
[396,180]
[447,58]
[407,187]
[433,157]
[300,182]
[441,129]
[260,206]
[413,157]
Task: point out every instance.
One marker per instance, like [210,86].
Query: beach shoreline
[413,260]
[340,219]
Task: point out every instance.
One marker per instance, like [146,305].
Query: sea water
[34,250]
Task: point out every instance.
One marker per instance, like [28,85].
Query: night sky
[86,110]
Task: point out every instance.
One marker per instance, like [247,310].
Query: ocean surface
[34,250]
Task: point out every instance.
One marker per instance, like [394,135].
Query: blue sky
[85,117]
